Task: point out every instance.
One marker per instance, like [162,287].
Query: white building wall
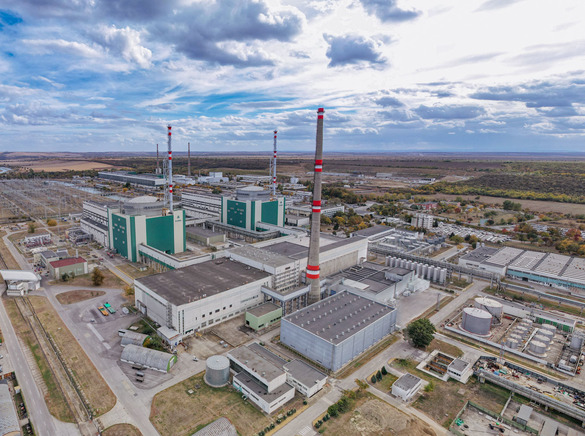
[264,405]
[405,395]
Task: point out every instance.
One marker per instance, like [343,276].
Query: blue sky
[420,75]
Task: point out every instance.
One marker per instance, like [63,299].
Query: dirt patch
[374,417]
[98,394]
[121,430]
[444,347]
[51,165]
[71,297]
[84,281]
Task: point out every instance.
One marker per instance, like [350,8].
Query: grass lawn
[367,356]
[444,347]
[121,430]
[175,412]
[133,270]
[98,394]
[56,402]
[6,255]
[384,385]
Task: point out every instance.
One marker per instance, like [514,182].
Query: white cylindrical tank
[217,371]
[576,342]
[489,305]
[418,269]
[431,273]
[542,338]
[573,359]
[547,333]
[443,277]
[511,343]
[537,348]
[425,269]
[521,330]
[550,327]
[436,274]
[516,337]
[476,321]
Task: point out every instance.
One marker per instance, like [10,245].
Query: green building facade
[165,233]
[246,213]
[263,316]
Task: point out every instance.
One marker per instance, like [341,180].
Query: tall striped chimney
[170,170]
[274,168]
[188,159]
[157,161]
[313,261]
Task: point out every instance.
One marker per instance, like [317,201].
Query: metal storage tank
[418,268]
[217,371]
[431,272]
[515,337]
[576,342]
[542,338]
[550,327]
[402,263]
[436,274]
[537,348]
[520,330]
[547,333]
[425,268]
[443,276]
[492,306]
[476,321]
[511,343]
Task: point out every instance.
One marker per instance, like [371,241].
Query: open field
[534,205]
[84,281]
[57,165]
[444,347]
[97,392]
[133,270]
[370,416]
[71,297]
[121,430]
[175,412]
[44,378]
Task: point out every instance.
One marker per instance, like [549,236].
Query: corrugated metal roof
[14,274]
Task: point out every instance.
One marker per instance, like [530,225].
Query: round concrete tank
[537,348]
[489,305]
[476,321]
[542,338]
[217,371]
[511,343]
[576,342]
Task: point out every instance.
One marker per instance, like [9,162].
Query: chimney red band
[313,268]
[312,276]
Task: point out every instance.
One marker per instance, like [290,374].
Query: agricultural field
[121,430]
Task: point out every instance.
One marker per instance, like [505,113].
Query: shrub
[379,375]
[333,410]
[384,371]
[373,379]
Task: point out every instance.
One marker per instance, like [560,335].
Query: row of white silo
[542,340]
[423,270]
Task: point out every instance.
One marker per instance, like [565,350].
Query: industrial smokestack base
[313,260]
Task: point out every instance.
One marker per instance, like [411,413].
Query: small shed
[148,358]
[263,316]
[76,266]
[524,414]
[406,387]
[133,338]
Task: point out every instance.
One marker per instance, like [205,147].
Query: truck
[103,311]
[109,308]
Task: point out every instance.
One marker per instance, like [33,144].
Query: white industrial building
[555,270]
[148,358]
[460,370]
[336,330]
[422,221]
[306,379]
[152,180]
[406,387]
[19,282]
[201,204]
[95,220]
[198,296]
[263,382]
[380,283]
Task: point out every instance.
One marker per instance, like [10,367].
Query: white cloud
[57,46]
[124,42]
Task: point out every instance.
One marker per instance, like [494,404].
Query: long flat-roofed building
[153,180]
[338,329]
[197,296]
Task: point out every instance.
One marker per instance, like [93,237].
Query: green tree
[421,332]
[97,277]
[31,227]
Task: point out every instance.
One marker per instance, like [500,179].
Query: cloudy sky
[419,75]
